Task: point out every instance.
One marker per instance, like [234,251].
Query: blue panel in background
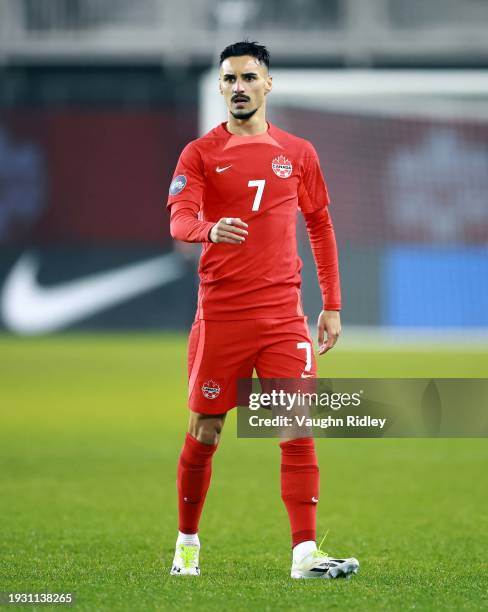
[435,287]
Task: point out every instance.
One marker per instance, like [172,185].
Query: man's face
[244,82]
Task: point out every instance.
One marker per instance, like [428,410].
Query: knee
[206,430]
[208,433]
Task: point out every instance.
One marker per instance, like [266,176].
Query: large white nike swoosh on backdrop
[29,308]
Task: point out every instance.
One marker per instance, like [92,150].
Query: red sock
[300,487]
[194,472]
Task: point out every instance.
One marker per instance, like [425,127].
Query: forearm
[185,224]
[324,249]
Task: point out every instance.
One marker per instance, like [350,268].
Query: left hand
[329,324]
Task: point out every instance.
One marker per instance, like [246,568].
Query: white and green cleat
[185,562]
[317,564]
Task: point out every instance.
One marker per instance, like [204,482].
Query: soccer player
[237,191]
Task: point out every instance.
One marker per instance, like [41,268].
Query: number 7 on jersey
[259,193]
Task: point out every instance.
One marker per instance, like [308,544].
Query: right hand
[230,230]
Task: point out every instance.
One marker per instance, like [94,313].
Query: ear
[268,85]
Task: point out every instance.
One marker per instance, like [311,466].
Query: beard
[243,115]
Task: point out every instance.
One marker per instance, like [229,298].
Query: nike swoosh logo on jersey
[29,308]
[217,169]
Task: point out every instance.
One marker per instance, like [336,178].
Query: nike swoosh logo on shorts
[30,308]
[217,169]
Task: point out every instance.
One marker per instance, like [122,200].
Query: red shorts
[221,352]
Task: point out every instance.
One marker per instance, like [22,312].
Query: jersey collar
[235,140]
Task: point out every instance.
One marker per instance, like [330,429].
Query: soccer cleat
[318,564]
[185,562]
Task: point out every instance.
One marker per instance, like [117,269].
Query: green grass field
[91,430]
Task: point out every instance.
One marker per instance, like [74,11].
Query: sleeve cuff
[209,229]
[332,306]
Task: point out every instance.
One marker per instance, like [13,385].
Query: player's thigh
[286,362]
[286,349]
[219,353]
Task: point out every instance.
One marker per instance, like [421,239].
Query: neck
[253,126]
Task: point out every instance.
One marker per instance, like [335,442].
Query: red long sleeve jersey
[263,180]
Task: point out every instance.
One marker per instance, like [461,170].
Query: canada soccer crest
[281,166]
[210,389]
